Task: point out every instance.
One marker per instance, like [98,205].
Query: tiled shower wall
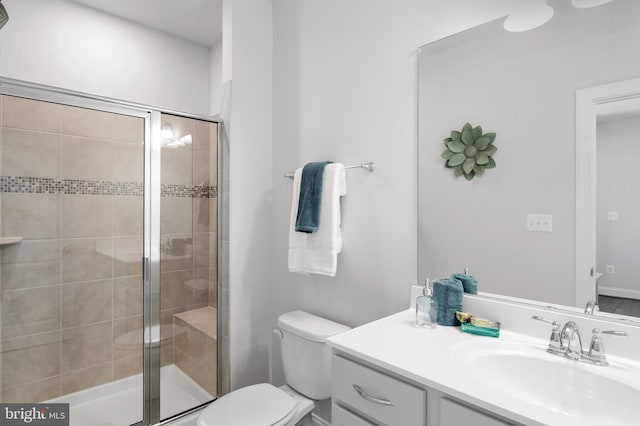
[71,291]
[188,279]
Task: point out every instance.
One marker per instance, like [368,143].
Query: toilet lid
[257,405]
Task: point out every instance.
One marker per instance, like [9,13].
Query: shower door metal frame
[150,262]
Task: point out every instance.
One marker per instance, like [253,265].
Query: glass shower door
[71,221]
[108,258]
[188,264]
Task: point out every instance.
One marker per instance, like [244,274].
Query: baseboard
[319,421]
[619,292]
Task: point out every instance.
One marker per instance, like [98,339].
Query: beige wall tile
[86,259]
[86,303]
[30,311]
[41,390]
[86,346]
[201,135]
[30,358]
[196,370]
[128,338]
[181,126]
[102,125]
[174,289]
[213,138]
[176,252]
[128,215]
[85,122]
[30,264]
[85,216]
[127,297]
[176,215]
[86,378]
[126,367]
[31,216]
[32,115]
[201,250]
[127,128]
[177,166]
[201,215]
[188,339]
[128,162]
[201,168]
[166,355]
[200,286]
[86,158]
[127,254]
[29,153]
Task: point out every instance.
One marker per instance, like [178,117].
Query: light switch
[539,222]
[612,216]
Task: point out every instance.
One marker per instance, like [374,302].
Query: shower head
[4,16]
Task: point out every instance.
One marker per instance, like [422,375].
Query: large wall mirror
[523,86]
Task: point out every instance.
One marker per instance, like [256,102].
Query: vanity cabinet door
[454,414]
[380,397]
[343,417]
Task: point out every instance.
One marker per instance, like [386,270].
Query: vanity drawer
[454,414]
[340,416]
[379,396]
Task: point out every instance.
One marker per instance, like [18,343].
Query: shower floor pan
[119,403]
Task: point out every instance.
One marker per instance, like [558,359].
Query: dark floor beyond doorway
[619,305]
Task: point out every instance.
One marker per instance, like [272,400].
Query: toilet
[306,361]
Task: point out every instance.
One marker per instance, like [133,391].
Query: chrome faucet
[591,307]
[567,343]
[596,353]
[570,340]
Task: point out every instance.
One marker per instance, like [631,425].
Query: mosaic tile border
[38,185]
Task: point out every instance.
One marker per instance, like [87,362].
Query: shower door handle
[145,269]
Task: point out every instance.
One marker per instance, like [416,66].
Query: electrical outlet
[613,216]
[611,269]
[539,222]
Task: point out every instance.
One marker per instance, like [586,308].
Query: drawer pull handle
[372,398]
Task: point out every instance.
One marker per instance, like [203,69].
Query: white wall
[345,89]
[250,221]
[64,45]
[216,78]
[618,148]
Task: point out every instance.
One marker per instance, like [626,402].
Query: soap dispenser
[426,307]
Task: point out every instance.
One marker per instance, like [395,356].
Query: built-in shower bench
[195,346]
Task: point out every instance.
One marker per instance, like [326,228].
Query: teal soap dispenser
[426,307]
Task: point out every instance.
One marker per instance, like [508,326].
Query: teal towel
[469,282]
[308,217]
[448,293]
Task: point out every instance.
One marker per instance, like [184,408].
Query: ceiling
[197,21]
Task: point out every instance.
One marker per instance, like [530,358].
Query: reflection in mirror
[523,87]
[617,207]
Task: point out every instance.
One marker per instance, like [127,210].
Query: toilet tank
[306,359]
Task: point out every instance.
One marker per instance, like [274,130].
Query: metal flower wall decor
[469,152]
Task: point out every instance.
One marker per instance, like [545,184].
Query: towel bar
[369,166]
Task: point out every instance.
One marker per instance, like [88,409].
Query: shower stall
[108,257]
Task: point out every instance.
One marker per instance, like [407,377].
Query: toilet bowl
[306,360]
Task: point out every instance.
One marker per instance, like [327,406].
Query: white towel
[317,253]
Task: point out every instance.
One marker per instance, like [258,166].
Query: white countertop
[429,357]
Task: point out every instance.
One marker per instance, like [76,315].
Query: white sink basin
[601,395]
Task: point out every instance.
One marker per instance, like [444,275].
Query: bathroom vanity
[392,373]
